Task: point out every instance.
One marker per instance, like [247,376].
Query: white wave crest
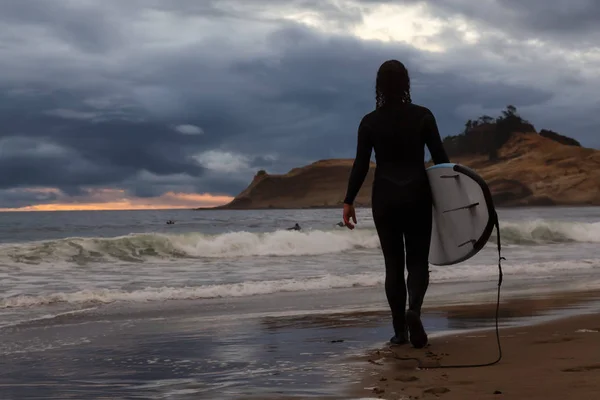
[140,247]
[199,292]
[545,231]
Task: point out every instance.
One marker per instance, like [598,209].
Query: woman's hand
[349,213]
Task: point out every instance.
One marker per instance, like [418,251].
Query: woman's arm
[362,161]
[434,141]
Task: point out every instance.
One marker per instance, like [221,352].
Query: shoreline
[559,348]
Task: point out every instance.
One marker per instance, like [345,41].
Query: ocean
[226,303]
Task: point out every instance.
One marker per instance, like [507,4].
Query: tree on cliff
[486,119]
[468,126]
[486,135]
[511,111]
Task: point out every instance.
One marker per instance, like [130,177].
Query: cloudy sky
[158,103]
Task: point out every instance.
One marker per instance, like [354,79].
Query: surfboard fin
[472,241]
[462,208]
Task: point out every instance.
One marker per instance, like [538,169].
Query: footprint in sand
[406,378]
[436,390]
[583,368]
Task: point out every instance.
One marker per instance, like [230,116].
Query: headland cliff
[522,166]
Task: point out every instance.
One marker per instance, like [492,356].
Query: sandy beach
[557,359]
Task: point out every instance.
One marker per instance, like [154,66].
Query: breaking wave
[547,232]
[249,288]
[141,247]
[144,247]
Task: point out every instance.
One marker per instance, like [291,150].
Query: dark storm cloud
[30,162]
[88,28]
[329,83]
[92,93]
[14,198]
[98,152]
[556,17]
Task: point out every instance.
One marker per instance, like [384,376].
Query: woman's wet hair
[392,84]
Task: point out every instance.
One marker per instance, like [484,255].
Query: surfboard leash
[500,277]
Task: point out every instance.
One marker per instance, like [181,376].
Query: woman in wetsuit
[401,201]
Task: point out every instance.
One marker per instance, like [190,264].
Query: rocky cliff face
[320,184]
[534,170]
[527,169]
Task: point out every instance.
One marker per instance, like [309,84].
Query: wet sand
[196,349]
[222,350]
[556,359]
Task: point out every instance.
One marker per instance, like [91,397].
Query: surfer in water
[295,228]
[398,131]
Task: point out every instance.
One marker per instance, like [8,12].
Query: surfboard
[463,213]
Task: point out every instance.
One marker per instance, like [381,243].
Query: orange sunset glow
[116,199]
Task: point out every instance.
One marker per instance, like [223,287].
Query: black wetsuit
[401,197]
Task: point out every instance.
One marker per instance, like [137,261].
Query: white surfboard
[463,213]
